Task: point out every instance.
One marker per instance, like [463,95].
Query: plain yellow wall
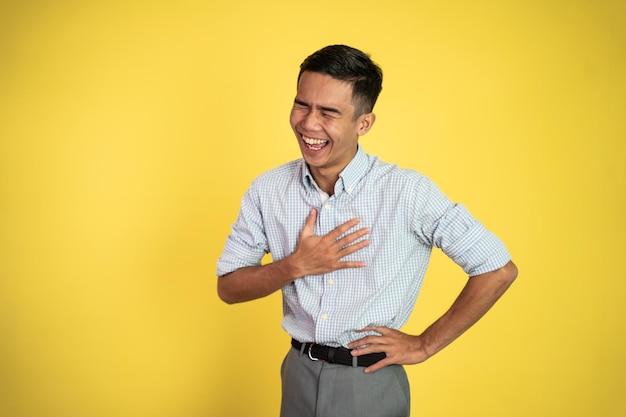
[129,131]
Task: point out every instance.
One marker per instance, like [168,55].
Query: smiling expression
[323,120]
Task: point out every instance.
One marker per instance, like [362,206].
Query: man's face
[322,119]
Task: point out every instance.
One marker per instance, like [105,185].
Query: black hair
[351,65]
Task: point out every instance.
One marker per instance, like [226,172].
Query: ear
[365,123]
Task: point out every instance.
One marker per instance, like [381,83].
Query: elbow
[226,298]
[510,272]
[223,293]
[514,271]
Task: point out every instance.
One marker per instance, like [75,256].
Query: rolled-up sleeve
[458,234]
[470,245]
[247,243]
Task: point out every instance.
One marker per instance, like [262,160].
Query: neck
[326,176]
[325,180]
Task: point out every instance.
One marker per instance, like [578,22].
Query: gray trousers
[321,389]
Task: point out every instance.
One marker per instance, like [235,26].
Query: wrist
[428,346]
[289,268]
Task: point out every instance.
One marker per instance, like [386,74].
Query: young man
[350,238]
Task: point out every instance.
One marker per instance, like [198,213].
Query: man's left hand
[400,348]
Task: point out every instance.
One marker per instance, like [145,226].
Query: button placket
[327,221]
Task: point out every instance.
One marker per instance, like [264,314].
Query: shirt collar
[348,178]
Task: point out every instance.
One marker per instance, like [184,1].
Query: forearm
[478,296]
[252,282]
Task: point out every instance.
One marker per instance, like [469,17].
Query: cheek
[293,119]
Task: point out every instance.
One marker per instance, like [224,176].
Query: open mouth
[314,144]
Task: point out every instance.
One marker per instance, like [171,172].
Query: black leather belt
[339,356]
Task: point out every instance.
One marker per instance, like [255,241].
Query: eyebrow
[323,108]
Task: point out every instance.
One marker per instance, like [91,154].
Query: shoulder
[392,175]
[278,178]
[407,188]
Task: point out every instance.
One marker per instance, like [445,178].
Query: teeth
[311,141]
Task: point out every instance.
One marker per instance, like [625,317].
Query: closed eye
[326,111]
[330,111]
[300,104]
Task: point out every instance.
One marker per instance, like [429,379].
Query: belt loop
[302,348]
[355,361]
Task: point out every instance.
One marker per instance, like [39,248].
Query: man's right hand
[313,255]
[322,254]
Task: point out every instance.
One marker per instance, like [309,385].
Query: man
[350,238]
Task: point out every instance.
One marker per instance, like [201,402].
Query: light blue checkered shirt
[407,215]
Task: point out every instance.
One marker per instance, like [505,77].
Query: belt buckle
[311,356]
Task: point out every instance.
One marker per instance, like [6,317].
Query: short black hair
[351,65]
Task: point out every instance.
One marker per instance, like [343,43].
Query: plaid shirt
[407,216]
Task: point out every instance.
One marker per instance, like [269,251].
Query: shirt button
[331,281]
[327,206]
[324,317]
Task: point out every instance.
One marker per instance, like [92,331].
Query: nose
[310,121]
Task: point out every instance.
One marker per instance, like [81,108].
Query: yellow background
[130,129]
